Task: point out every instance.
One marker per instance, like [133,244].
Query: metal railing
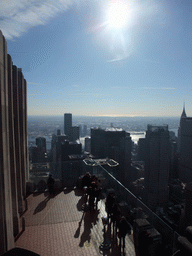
[169,236]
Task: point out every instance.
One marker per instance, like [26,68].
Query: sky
[102,57]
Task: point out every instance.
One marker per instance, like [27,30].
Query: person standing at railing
[86,180]
[109,204]
[124,228]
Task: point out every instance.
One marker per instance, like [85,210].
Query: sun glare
[117,14]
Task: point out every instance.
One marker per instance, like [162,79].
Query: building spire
[183,113]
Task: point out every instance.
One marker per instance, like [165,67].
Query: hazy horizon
[105,116]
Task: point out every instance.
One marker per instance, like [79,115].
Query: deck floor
[58,226]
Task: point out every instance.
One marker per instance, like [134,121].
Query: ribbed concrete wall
[17,138]
[13,148]
[6,217]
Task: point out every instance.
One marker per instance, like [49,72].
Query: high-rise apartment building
[13,147]
[157,166]
[185,148]
[68,126]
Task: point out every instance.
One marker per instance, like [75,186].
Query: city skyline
[84,58]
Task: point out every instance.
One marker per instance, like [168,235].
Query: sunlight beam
[117,15]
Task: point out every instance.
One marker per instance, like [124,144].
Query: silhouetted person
[86,180]
[109,204]
[115,218]
[124,228]
[50,184]
[92,195]
[98,195]
[144,240]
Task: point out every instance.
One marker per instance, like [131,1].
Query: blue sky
[79,57]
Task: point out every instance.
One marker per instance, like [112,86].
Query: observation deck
[57,225]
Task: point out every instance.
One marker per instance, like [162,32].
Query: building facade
[68,125]
[14,148]
[157,165]
[75,130]
[185,148]
[115,144]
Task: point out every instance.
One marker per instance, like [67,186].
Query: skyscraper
[183,116]
[115,144]
[157,166]
[75,132]
[184,148]
[68,126]
[41,143]
[13,148]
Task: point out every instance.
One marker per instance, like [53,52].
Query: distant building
[185,148]
[70,148]
[41,143]
[183,116]
[88,144]
[83,130]
[68,125]
[56,142]
[188,205]
[38,153]
[115,144]
[141,154]
[58,132]
[75,132]
[157,166]
[72,169]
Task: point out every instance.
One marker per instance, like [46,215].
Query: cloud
[118,59]
[158,88]
[18,16]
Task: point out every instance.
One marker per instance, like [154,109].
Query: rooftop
[58,226]
[103,161]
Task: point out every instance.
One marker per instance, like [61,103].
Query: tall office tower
[141,154]
[13,147]
[98,142]
[116,144]
[187,220]
[84,130]
[75,132]
[157,166]
[41,143]
[41,149]
[182,118]
[68,126]
[185,148]
[88,144]
[58,132]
